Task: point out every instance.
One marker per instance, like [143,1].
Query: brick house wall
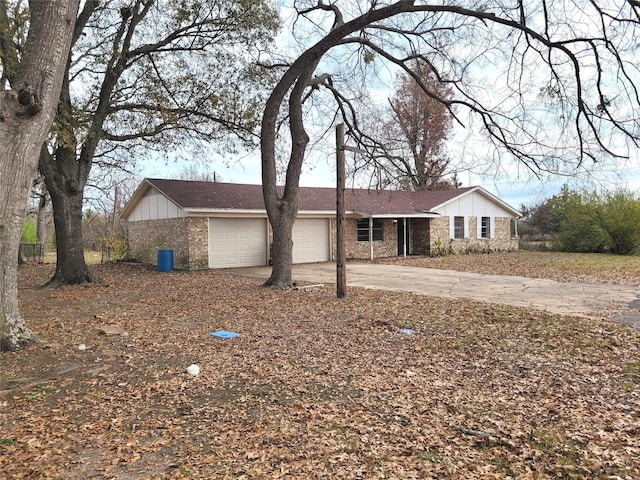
[146,237]
[442,243]
[439,240]
[362,250]
[419,236]
[427,236]
[198,243]
[186,236]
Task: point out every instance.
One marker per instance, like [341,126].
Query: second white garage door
[235,242]
[310,240]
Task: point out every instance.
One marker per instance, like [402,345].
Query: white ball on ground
[193,369]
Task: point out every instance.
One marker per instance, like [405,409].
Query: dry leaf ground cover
[314,387]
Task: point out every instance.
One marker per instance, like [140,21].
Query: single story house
[219,225]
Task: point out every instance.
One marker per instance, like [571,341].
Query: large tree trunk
[71,267]
[15,183]
[282,246]
[26,114]
[282,209]
[66,181]
[66,171]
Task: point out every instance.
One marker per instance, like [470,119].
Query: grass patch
[428,456]
[634,369]
[36,394]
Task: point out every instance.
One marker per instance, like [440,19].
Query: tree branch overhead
[496,58]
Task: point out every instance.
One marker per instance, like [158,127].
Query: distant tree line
[585,221]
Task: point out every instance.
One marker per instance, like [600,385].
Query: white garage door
[237,242]
[310,240]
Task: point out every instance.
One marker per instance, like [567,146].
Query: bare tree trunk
[14,193]
[42,222]
[26,114]
[71,267]
[66,181]
[282,248]
[282,210]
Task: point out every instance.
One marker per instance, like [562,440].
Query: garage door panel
[237,242]
[311,240]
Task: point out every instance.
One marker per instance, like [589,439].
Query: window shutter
[452,227]
[478,227]
[466,227]
[492,222]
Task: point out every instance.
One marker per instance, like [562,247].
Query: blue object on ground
[407,331]
[165,260]
[224,334]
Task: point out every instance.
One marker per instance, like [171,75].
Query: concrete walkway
[581,299]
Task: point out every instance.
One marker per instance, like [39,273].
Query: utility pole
[341,256]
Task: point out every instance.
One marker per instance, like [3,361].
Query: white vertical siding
[155,206]
[473,204]
[476,205]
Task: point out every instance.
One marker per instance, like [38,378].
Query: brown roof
[218,195]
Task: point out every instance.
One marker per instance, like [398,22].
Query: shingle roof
[218,195]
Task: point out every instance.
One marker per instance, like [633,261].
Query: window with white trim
[485,227]
[458,227]
[377,229]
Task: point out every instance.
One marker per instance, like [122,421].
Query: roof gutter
[400,215]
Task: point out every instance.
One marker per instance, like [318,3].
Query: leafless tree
[552,84]
[414,128]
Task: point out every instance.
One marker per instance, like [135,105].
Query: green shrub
[619,217]
[597,222]
[29,231]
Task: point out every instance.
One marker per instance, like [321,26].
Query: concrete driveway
[581,299]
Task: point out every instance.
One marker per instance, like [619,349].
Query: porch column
[404,237]
[371,238]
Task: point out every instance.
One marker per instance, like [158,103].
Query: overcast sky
[505,178]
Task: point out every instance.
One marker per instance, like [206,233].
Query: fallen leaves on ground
[314,387]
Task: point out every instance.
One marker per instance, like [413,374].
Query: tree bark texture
[26,114]
[65,174]
[42,224]
[66,178]
[282,250]
[71,267]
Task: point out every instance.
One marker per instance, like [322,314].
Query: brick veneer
[419,236]
[501,241]
[362,250]
[187,237]
[198,243]
[427,236]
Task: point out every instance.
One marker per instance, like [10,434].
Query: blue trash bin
[165,260]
